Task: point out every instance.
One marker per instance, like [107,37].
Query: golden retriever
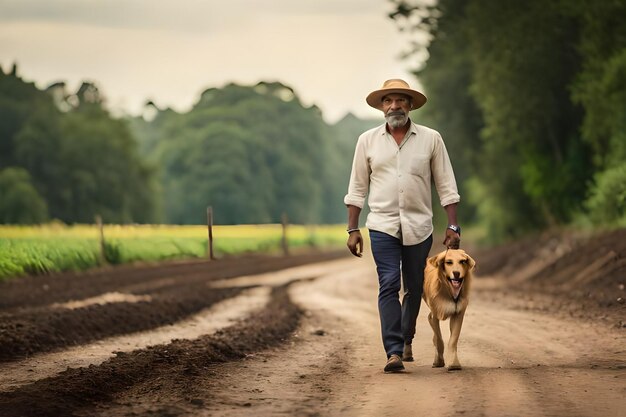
[447,281]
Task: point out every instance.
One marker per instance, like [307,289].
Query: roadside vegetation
[56,247]
[534,122]
[534,119]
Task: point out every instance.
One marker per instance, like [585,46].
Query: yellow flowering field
[58,247]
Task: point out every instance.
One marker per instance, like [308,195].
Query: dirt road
[268,337]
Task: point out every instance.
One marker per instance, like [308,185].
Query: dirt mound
[173,368]
[31,320]
[42,329]
[38,290]
[312,348]
[582,270]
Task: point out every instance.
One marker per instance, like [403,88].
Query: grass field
[57,247]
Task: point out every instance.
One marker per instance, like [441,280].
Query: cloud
[199,16]
[171,51]
[182,15]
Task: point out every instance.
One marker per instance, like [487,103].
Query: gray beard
[396,121]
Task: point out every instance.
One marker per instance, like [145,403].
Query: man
[395,163]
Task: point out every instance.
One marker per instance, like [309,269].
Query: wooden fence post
[312,231]
[284,237]
[209,219]
[100,227]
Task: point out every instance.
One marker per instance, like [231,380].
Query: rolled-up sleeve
[359,178]
[443,175]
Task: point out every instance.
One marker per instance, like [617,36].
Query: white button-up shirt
[398,179]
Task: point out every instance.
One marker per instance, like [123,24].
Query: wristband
[455,228]
[353,230]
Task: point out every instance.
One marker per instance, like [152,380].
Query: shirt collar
[412,131]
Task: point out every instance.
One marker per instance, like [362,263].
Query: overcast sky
[332,52]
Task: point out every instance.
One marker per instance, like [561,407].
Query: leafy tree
[211,167]
[600,88]
[20,202]
[105,174]
[451,108]
[37,148]
[521,81]
[539,110]
[79,159]
[18,100]
[253,153]
[607,199]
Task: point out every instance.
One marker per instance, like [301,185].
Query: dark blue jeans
[393,260]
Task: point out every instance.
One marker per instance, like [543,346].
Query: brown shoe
[407,355]
[394,364]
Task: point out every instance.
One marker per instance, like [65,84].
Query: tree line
[62,156]
[251,152]
[530,97]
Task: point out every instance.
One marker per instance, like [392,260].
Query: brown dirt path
[33,320]
[314,349]
[516,363]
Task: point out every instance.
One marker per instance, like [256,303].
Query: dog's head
[455,267]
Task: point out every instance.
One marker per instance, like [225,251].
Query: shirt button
[400,190]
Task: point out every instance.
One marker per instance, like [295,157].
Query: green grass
[56,247]
[33,256]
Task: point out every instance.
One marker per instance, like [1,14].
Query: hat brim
[375,98]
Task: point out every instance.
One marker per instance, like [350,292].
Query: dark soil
[172,368]
[28,323]
[38,290]
[579,275]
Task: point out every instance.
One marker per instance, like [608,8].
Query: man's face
[396,108]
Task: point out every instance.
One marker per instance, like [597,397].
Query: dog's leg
[456,321]
[437,341]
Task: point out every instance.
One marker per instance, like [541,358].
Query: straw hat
[395,86]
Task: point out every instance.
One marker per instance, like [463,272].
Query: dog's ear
[471,262]
[437,260]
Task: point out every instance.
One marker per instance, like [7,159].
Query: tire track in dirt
[306,377]
[45,329]
[173,371]
[30,322]
[41,290]
[285,276]
[207,322]
[293,379]
[516,363]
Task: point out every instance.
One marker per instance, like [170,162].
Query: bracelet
[353,230]
[455,228]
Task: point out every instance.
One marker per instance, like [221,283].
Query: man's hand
[355,243]
[452,239]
